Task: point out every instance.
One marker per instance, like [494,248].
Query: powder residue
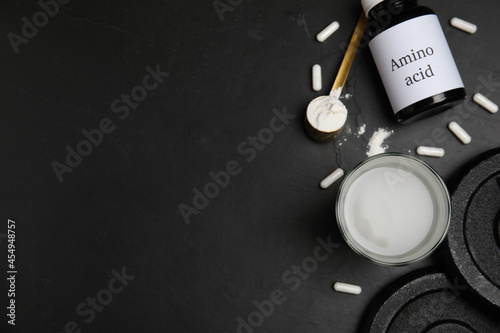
[376,144]
[327,113]
[361,130]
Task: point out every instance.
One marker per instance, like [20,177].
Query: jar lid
[369,4]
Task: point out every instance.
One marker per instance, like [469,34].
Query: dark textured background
[119,207]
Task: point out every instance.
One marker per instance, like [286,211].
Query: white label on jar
[415,61]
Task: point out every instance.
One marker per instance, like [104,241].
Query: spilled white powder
[327,113]
[376,144]
[361,130]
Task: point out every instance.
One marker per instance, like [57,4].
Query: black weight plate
[498,228]
[472,248]
[426,301]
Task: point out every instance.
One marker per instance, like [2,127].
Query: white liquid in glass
[388,211]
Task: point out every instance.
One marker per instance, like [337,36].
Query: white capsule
[485,103]
[463,25]
[430,151]
[332,178]
[328,31]
[460,132]
[317,81]
[347,288]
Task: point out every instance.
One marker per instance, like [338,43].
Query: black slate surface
[117,213]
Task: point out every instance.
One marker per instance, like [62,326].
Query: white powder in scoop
[376,144]
[327,113]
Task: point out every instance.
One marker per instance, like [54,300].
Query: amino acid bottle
[413,58]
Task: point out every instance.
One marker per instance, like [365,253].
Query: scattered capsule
[430,151]
[485,103]
[463,25]
[347,288]
[332,178]
[317,81]
[460,132]
[328,31]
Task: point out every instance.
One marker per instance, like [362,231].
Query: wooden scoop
[351,53]
[339,83]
